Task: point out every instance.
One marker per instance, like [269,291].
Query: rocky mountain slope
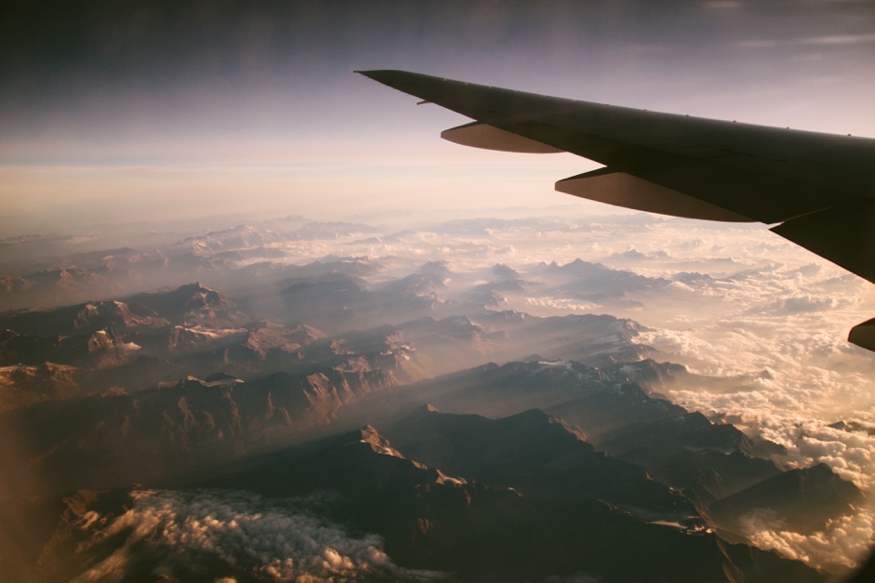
[450,527]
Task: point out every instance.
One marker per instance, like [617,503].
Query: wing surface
[817,190]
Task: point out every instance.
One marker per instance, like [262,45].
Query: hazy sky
[130,110]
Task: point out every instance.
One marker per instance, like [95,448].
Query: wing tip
[404,81]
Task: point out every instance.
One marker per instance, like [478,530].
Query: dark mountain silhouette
[432,520]
[535,454]
[800,500]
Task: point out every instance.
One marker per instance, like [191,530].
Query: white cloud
[769,323]
[565,304]
[244,534]
[841,546]
[826,40]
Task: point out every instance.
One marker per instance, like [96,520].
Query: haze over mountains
[295,398]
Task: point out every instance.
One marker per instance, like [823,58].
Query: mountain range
[197,432]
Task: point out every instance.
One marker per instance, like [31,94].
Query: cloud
[809,303]
[824,40]
[242,534]
[563,304]
[761,320]
[841,546]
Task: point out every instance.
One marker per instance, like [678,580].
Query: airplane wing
[815,189]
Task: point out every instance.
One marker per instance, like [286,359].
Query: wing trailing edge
[844,234]
[625,190]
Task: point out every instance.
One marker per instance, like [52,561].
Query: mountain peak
[378,443]
[503,271]
[192,287]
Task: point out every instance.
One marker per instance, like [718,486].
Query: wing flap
[863,335]
[487,137]
[844,234]
[621,189]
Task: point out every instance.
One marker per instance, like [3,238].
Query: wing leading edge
[817,190]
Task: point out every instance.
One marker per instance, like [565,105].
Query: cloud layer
[759,321]
[842,545]
[178,533]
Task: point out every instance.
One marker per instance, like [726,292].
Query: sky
[112,112]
